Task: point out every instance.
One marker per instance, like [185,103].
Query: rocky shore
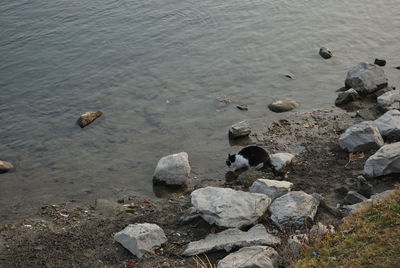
[328,164]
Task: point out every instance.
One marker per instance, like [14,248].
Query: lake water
[156,69]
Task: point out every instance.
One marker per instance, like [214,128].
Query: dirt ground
[71,235]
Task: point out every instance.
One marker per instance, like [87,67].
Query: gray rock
[283,105]
[366,78]
[5,166]
[293,248]
[346,97]
[389,100]
[382,195]
[87,118]
[173,170]
[232,238]
[389,125]
[108,207]
[384,162]
[140,238]
[325,53]
[293,209]
[229,208]
[272,188]
[251,257]
[361,137]
[322,203]
[240,129]
[320,229]
[350,209]
[281,160]
[364,187]
[354,198]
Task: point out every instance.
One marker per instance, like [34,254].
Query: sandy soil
[67,235]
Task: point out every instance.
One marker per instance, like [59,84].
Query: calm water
[156,69]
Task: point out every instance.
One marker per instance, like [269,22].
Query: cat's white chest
[240,162]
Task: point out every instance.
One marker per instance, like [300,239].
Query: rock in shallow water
[251,257]
[283,105]
[229,208]
[384,162]
[140,238]
[5,166]
[173,170]
[240,129]
[232,238]
[293,209]
[380,62]
[325,53]
[346,97]
[88,117]
[366,78]
[361,137]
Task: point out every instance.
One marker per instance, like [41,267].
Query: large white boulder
[281,160]
[384,162]
[272,188]
[232,238]
[366,78]
[173,170]
[140,238]
[361,137]
[251,257]
[229,208]
[389,125]
[293,209]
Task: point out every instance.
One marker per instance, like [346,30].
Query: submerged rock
[140,238]
[366,78]
[283,105]
[384,162]
[272,188]
[229,208]
[5,166]
[240,129]
[293,209]
[88,117]
[251,257]
[325,53]
[173,170]
[389,125]
[361,137]
[232,238]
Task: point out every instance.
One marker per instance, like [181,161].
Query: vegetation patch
[367,238]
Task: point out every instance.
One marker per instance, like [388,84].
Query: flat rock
[281,160]
[173,170]
[346,97]
[325,53]
[361,137]
[87,118]
[240,129]
[272,188]
[293,209]
[389,100]
[5,166]
[251,257]
[283,105]
[140,238]
[229,208]
[389,125]
[232,238]
[384,162]
[366,78]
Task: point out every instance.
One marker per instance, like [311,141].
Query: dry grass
[202,264]
[368,238]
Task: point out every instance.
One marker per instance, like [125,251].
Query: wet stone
[88,117]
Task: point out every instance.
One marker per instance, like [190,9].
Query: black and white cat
[250,157]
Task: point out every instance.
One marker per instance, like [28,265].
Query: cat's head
[231,159]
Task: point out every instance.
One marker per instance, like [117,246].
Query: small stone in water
[242,107]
